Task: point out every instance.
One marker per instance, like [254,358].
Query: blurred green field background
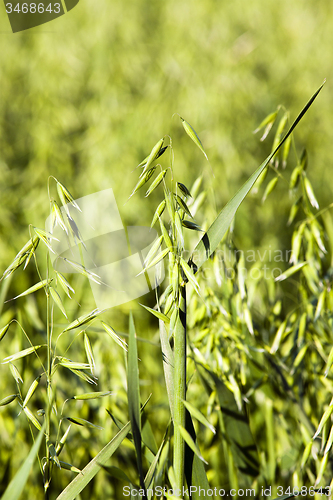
[86,97]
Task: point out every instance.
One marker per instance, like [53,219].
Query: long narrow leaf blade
[133,394]
[188,439]
[194,468]
[219,227]
[89,472]
[153,466]
[199,416]
[17,484]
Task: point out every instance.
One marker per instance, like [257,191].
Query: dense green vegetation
[84,99]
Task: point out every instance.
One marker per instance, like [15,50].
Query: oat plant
[174,217]
[54,420]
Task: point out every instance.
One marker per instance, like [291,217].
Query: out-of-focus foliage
[84,98]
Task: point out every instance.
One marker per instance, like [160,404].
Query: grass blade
[151,472]
[17,484]
[188,439]
[219,227]
[89,472]
[199,416]
[133,395]
[194,468]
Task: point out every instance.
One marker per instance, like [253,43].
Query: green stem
[179,390]
[47,473]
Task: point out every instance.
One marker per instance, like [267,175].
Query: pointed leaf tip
[220,226]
